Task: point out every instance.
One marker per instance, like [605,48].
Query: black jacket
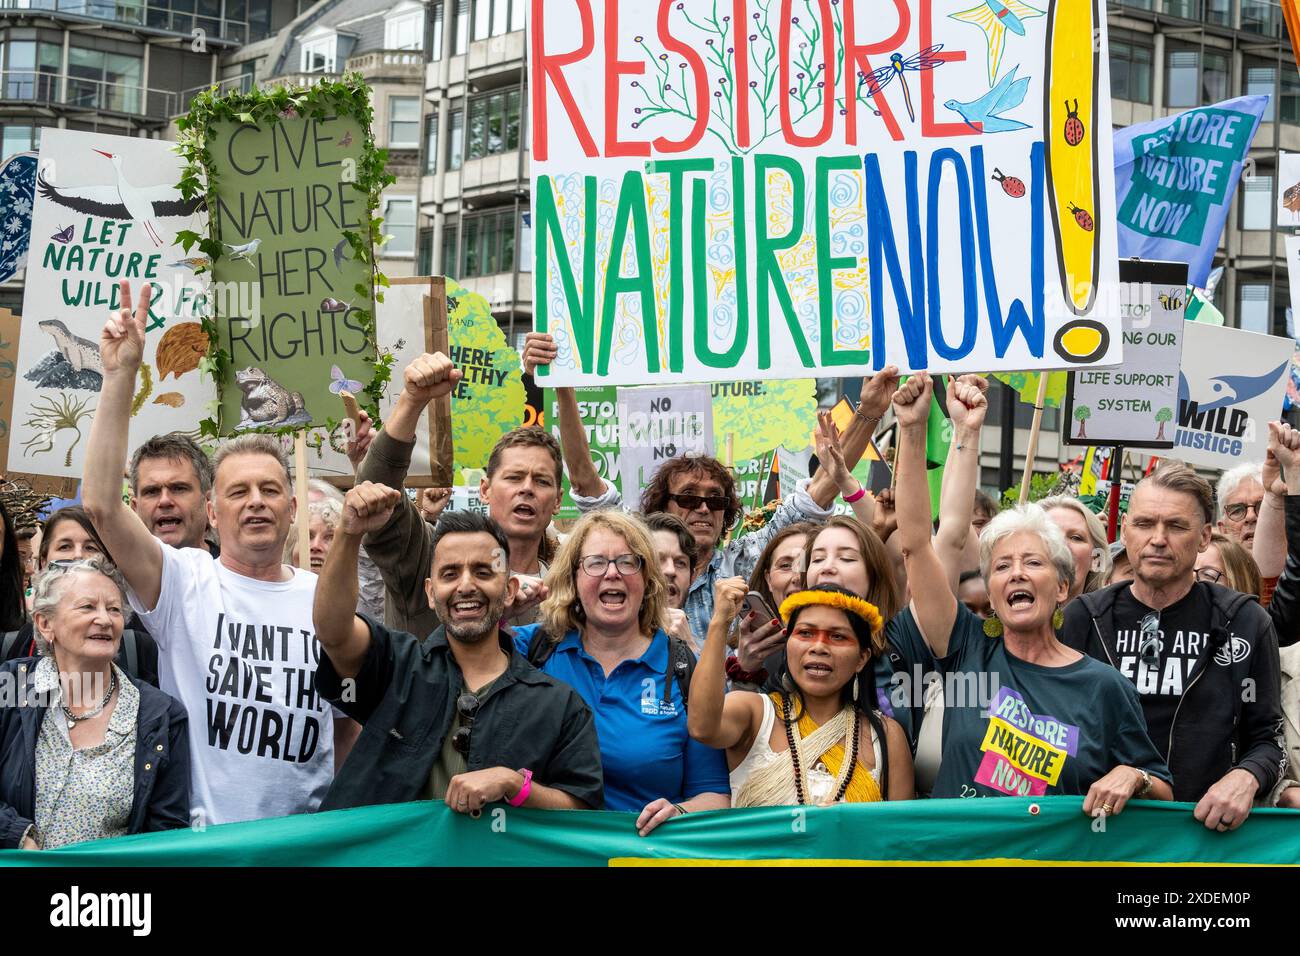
[162,757]
[1284,606]
[1229,716]
[405,699]
[146,665]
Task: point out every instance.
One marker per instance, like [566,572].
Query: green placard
[598,409]
[489,400]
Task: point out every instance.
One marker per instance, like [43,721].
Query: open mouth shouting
[524,512]
[467,608]
[166,524]
[1021,598]
[612,598]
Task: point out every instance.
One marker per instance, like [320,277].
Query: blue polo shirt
[645,750]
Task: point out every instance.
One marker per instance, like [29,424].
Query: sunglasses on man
[692,502]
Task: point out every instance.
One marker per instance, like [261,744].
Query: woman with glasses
[1226,562]
[1036,717]
[102,754]
[602,632]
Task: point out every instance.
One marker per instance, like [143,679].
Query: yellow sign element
[1025,752]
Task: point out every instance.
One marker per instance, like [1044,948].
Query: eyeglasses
[467,707]
[597,564]
[691,502]
[1211,575]
[1149,649]
[1237,512]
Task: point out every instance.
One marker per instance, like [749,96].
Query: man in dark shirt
[1204,658]
[460,716]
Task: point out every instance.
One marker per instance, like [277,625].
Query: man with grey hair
[1240,494]
[236,641]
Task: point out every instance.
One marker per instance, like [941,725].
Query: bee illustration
[1082,217]
[1011,185]
[1171,301]
[1074,130]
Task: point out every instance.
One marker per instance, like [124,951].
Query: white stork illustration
[122,200]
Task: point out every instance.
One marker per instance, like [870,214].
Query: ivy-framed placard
[292,181]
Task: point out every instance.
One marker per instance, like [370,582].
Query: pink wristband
[856,496]
[519,798]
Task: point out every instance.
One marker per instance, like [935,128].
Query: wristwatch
[1146,783]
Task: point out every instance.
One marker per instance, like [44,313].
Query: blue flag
[1174,179]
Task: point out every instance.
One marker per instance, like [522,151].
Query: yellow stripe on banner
[630,861]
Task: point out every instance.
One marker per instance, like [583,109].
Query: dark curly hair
[655,496]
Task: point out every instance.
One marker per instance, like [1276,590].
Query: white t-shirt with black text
[241,655]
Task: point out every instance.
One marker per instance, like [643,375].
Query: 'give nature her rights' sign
[776,188]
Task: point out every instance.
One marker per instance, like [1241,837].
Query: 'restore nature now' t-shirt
[1012,728]
[241,655]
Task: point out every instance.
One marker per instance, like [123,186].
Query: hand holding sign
[539,349]
[912,401]
[430,377]
[367,507]
[121,345]
[359,443]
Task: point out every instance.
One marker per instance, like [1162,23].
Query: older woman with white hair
[1033,717]
[101,754]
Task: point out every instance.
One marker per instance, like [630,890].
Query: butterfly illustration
[1171,301]
[63,235]
[342,383]
[346,139]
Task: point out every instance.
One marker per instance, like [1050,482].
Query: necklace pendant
[821,785]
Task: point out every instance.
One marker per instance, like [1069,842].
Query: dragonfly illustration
[882,77]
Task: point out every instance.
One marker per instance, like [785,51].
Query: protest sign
[1288,190]
[106,209]
[762,415]
[1293,267]
[1174,180]
[489,399]
[1133,404]
[598,412]
[755,484]
[292,179]
[9,331]
[17,194]
[660,423]
[765,195]
[1223,416]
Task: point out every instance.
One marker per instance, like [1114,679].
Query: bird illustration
[995,18]
[193,263]
[339,248]
[1229,389]
[122,200]
[988,109]
[244,251]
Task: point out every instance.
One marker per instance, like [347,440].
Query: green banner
[1002,832]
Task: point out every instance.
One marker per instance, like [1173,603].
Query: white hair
[1233,477]
[1031,519]
[326,491]
[52,581]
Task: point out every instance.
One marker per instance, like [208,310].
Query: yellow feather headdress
[845,602]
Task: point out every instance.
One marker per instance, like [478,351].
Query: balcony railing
[138,13]
[77,92]
[234,84]
[402,63]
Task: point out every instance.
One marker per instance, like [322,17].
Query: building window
[399,222]
[494,18]
[1261,16]
[318,55]
[404,122]
[449,234]
[1130,71]
[1260,78]
[488,245]
[434,44]
[455,138]
[424,253]
[1288,100]
[1253,309]
[431,144]
[19,139]
[31,71]
[1195,78]
[494,120]
[106,81]
[460,28]
[404,31]
[1257,209]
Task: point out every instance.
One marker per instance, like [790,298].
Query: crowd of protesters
[187,668]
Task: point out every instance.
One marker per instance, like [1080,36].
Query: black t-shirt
[1181,632]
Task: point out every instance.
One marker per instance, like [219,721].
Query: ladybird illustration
[1082,217]
[1074,130]
[1013,187]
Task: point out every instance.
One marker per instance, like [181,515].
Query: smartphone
[754,604]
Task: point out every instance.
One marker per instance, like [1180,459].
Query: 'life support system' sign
[763,189]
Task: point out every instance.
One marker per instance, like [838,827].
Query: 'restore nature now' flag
[1174,180]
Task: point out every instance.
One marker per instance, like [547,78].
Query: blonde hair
[1099,571]
[1241,571]
[562,612]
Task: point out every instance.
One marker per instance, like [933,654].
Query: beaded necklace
[794,751]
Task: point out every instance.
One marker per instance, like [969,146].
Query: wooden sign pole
[301,492]
[1032,451]
[442,451]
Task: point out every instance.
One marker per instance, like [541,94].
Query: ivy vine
[349,96]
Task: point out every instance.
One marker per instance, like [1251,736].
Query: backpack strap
[540,648]
[131,649]
[878,727]
[10,639]
[681,665]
